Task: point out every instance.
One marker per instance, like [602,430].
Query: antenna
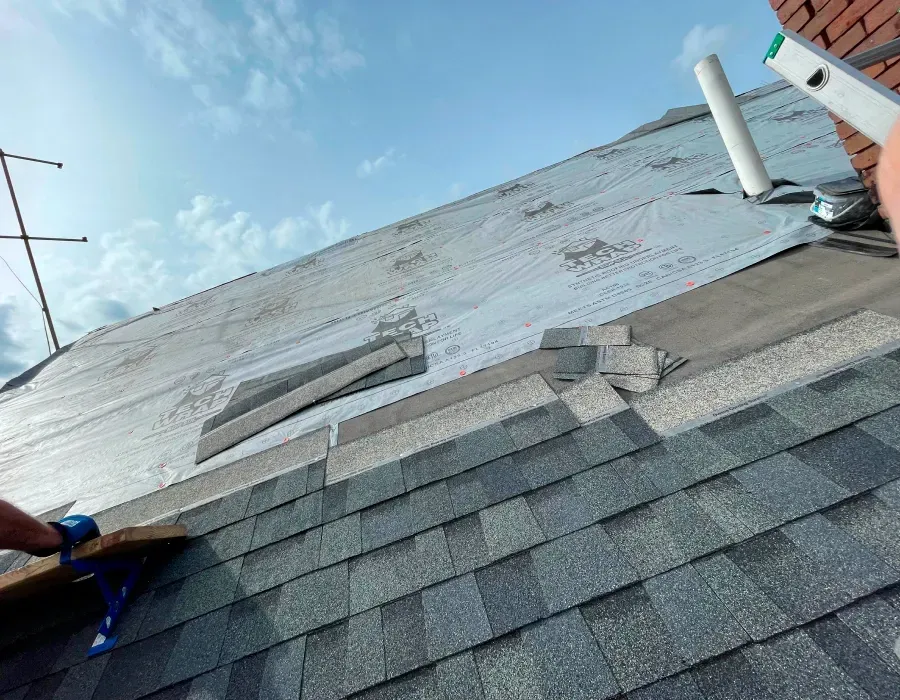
[26,238]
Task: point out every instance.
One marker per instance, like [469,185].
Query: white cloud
[370,167]
[266,94]
[334,56]
[699,42]
[104,10]
[223,119]
[148,263]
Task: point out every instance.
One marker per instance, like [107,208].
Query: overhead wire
[43,316]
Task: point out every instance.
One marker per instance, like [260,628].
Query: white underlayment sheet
[582,242]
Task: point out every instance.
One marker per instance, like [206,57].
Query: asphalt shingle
[374,485]
[560,338]
[511,593]
[680,687]
[483,445]
[404,635]
[851,458]
[579,567]
[885,426]
[662,470]
[602,441]
[877,623]
[560,508]
[280,562]
[693,532]
[313,600]
[136,669]
[406,515]
[334,501]
[644,539]
[289,519]
[855,658]
[549,461]
[219,513]
[467,546]
[340,540]
[210,686]
[488,484]
[283,672]
[252,626]
[576,360]
[737,504]
[700,454]
[793,666]
[531,427]
[197,648]
[730,677]
[457,677]
[698,624]
[871,523]
[432,464]
[509,527]
[632,637]
[246,677]
[755,432]
[80,681]
[745,600]
[455,618]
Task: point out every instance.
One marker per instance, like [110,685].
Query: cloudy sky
[206,139]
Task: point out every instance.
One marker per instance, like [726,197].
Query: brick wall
[846,27]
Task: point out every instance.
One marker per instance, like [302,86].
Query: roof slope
[754,556]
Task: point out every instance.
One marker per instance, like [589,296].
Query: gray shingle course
[431,464]
[511,593]
[697,623]
[730,677]
[885,426]
[255,400]
[457,677]
[210,686]
[509,527]
[793,666]
[81,681]
[576,360]
[404,635]
[560,508]
[859,571]
[280,562]
[500,479]
[315,479]
[483,445]
[871,523]
[340,540]
[680,687]
[406,515]
[252,626]
[507,670]
[465,538]
[207,590]
[877,623]
[755,432]
[632,637]
[197,648]
[531,427]
[738,503]
[745,600]
[882,369]
[700,454]
[289,519]
[219,513]
[365,650]
[549,461]
[578,567]
[851,458]
[135,669]
[334,501]
[789,488]
[313,600]
[602,441]
[694,532]
[374,485]
[645,540]
[855,658]
[633,478]
[246,677]
[665,472]
[325,664]
[283,673]
[455,618]
[635,428]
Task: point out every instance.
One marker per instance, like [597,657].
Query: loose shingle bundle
[608,350]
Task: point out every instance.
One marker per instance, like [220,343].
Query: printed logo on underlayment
[409,227]
[673,162]
[513,189]
[132,361]
[544,209]
[305,263]
[588,254]
[409,260]
[274,308]
[199,401]
[402,320]
[611,153]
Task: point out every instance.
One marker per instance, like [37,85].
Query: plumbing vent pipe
[738,141]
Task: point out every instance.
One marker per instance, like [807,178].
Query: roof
[754,555]
[581,242]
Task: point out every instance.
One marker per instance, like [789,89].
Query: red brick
[888,31]
[848,18]
[867,158]
[788,9]
[880,14]
[849,41]
[835,118]
[857,143]
[844,130]
[819,4]
[824,17]
[891,77]
[776,3]
[799,19]
[876,70]
[820,42]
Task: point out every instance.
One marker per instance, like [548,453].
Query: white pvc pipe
[738,141]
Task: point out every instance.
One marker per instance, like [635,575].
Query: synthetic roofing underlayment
[755,556]
[582,242]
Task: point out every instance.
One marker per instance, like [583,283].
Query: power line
[23,284]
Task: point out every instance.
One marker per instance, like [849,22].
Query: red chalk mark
[528,325]
[285,440]
[462,373]
[690,284]
[475,307]
[456,267]
[130,432]
[766,232]
[162,485]
[163,465]
[640,240]
[670,193]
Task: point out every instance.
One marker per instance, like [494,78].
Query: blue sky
[205,139]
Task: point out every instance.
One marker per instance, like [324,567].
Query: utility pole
[26,238]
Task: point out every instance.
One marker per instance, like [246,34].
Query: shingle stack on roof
[756,554]
[608,350]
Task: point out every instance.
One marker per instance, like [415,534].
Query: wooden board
[48,572]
